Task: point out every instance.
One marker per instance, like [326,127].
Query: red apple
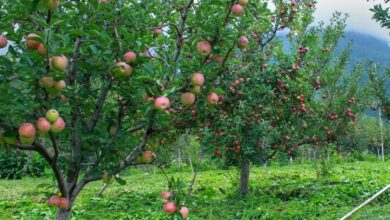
[184,212]
[41,49]
[166,195]
[43,125]
[237,9]
[162,103]
[147,156]
[63,203]
[59,85]
[187,98]
[53,201]
[212,98]
[157,31]
[204,47]
[31,43]
[3,41]
[59,63]
[52,115]
[170,207]
[243,42]
[130,56]
[46,82]
[197,79]
[27,130]
[122,69]
[58,125]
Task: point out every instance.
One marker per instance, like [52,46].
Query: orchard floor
[290,192]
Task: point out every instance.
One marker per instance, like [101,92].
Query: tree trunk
[244,178]
[63,214]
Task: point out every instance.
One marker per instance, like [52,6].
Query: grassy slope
[277,193]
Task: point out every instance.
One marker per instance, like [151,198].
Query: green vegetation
[277,192]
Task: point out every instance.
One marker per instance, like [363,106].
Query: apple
[59,63]
[63,203]
[197,79]
[59,85]
[58,125]
[218,59]
[165,195]
[3,41]
[212,98]
[237,9]
[169,207]
[27,130]
[147,156]
[51,4]
[104,1]
[46,82]
[162,103]
[157,31]
[52,115]
[187,98]
[41,49]
[31,43]
[184,212]
[243,2]
[122,69]
[129,56]
[43,125]
[204,47]
[243,42]
[53,201]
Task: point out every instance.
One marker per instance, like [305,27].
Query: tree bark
[63,214]
[244,178]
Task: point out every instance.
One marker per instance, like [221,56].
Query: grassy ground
[291,192]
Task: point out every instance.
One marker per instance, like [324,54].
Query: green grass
[290,192]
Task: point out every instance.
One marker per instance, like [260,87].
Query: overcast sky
[360,15]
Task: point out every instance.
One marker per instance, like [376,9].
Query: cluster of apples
[170,206]
[122,69]
[52,122]
[51,86]
[60,202]
[33,43]
[3,41]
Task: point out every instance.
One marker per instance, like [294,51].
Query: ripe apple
[243,42]
[122,69]
[187,98]
[165,195]
[58,125]
[52,115]
[237,9]
[162,103]
[41,49]
[53,201]
[63,203]
[243,2]
[212,98]
[43,125]
[157,31]
[59,63]
[147,156]
[46,82]
[204,47]
[169,207]
[31,43]
[184,212]
[197,79]
[59,85]
[27,130]
[3,41]
[129,56]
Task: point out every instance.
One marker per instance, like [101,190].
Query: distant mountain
[366,47]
